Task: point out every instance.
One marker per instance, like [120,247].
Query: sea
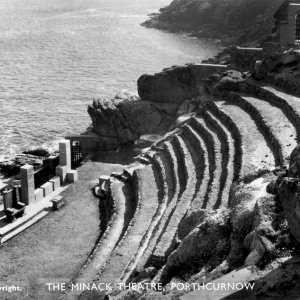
[56,56]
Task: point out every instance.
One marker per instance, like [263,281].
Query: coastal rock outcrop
[232,21]
[163,98]
[121,121]
[174,85]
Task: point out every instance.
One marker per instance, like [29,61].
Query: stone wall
[243,59]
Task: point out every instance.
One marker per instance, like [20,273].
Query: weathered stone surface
[172,85]
[260,70]
[231,81]
[290,198]
[120,121]
[294,169]
[207,241]
[177,84]
[258,242]
[191,221]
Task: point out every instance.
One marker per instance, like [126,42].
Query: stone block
[61,172]
[65,153]
[55,182]
[38,194]
[27,183]
[72,176]
[47,188]
[57,202]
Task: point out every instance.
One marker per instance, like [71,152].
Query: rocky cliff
[232,21]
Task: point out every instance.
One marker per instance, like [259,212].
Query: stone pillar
[65,154]
[64,160]
[53,161]
[27,184]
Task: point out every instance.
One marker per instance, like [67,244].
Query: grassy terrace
[55,248]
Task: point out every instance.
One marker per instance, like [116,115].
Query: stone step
[222,137]
[279,124]
[266,131]
[170,154]
[167,241]
[236,136]
[162,166]
[111,237]
[215,161]
[289,104]
[202,167]
[228,151]
[256,152]
[147,193]
[34,219]
[197,152]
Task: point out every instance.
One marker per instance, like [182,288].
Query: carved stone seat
[57,202]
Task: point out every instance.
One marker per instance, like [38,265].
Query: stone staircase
[234,135]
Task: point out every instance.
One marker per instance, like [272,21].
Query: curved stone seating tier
[278,123]
[121,256]
[200,195]
[227,148]
[167,242]
[220,135]
[145,260]
[110,238]
[228,123]
[162,167]
[215,160]
[159,174]
[289,104]
[257,153]
[197,152]
[265,130]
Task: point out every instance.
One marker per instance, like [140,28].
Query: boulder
[206,244]
[260,70]
[170,86]
[258,241]
[231,81]
[294,169]
[124,120]
[191,221]
[289,193]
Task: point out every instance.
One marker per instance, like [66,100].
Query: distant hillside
[233,21]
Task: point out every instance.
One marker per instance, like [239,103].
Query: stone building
[289,28]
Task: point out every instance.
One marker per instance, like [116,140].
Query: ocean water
[57,55]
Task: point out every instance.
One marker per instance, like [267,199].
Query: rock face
[289,193]
[235,21]
[208,241]
[121,121]
[290,198]
[174,85]
[163,97]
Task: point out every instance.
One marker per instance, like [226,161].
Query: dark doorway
[76,154]
[297,37]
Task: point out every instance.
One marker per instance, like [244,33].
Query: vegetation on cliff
[233,21]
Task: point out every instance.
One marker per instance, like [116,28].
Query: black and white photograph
[149,149]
